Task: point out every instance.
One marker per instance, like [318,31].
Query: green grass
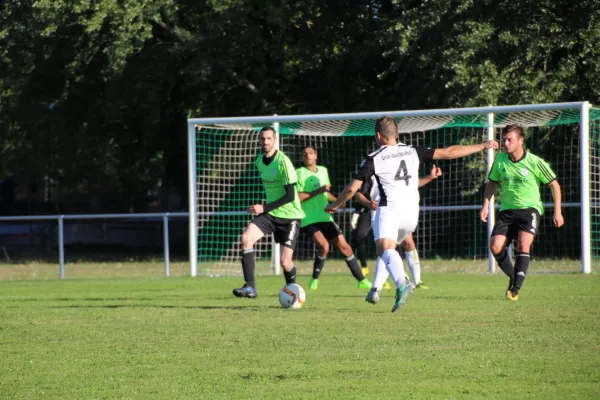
[178,337]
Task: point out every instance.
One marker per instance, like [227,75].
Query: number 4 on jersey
[402,173]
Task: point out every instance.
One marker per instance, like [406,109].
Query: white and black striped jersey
[396,172]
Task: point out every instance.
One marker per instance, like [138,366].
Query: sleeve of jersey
[366,170]
[425,153]
[288,172]
[365,188]
[545,173]
[300,182]
[327,182]
[494,176]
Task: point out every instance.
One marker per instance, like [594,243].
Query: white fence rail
[61,235]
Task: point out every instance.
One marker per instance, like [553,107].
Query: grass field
[156,338]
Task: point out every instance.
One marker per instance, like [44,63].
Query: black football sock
[506,265]
[290,277]
[248,267]
[354,268]
[400,251]
[361,251]
[521,267]
[318,266]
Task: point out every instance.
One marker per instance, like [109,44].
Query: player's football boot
[365,271]
[365,284]
[402,294]
[512,295]
[245,291]
[372,296]
[314,284]
[421,285]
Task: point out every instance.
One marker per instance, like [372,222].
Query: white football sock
[393,264]
[381,274]
[412,258]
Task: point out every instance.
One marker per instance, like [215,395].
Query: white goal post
[221,153]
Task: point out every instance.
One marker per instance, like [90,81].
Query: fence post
[166,242]
[61,246]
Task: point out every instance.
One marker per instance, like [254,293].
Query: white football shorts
[394,224]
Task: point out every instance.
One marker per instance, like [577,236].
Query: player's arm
[309,195]
[346,194]
[365,171]
[490,189]
[557,219]
[288,197]
[459,151]
[289,180]
[362,199]
[436,172]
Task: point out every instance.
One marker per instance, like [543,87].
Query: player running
[314,193]
[406,246]
[519,173]
[396,167]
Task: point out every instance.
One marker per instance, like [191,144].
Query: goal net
[225,180]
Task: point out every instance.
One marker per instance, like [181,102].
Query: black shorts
[285,231]
[329,229]
[510,222]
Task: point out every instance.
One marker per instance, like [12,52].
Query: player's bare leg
[250,236]
[289,270]
[524,242]
[498,246]
[319,262]
[344,248]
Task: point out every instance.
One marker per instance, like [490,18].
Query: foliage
[95,93]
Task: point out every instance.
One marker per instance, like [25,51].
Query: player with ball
[280,216]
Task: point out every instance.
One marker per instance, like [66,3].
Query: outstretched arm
[557,196]
[346,194]
[459,151]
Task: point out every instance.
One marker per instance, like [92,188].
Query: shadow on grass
[113,306]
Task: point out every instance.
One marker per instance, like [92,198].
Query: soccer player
[280,216]
[314,192]
[395,167]
[406,246]
[519,174]
[360,222]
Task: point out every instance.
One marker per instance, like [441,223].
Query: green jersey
[520,180]
[275,176]
[314,208]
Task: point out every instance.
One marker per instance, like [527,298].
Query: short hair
[268,128]
[309,146]
[514,127]
[387,127]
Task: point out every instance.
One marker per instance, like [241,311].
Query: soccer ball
[292,296]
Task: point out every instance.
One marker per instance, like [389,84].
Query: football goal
[223,180]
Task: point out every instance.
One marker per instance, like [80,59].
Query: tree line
[94,95]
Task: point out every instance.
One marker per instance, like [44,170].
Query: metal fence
[61,234]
